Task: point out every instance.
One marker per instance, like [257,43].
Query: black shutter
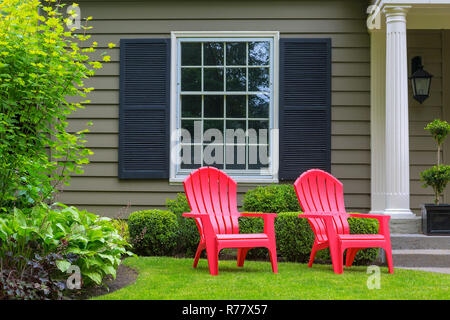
[144,108]
[305,106]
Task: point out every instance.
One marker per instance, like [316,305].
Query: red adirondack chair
[212,195]
[321,197]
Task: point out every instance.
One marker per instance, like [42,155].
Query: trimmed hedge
[153,232]
[271,199]
[187,233]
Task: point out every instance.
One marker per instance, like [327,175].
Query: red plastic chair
[321,197]
[212,197]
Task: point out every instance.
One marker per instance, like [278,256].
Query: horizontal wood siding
[99,190]
[428,45]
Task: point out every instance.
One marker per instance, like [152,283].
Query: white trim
[274,69]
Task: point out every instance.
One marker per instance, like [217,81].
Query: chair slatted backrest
[209,190]
[320,192]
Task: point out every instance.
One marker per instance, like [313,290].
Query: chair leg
[213,257]
[200,248]
[273,259]
[351,253]
[242,253]
[336,257]
[389,259]
[312,256]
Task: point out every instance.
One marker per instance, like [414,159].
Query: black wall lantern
[420,80]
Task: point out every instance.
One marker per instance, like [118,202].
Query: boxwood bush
[271,199]
[153,232]
[187,233]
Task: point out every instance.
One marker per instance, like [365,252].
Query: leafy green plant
[271,199]
[39,280]
[153,232]
[121,226]
[437,176]
[188,235]
[93,240]
[43,66]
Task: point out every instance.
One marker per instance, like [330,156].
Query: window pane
[236,54]
[190,156]
[191,106]
[258,131]
[213,54]
[213,106]
[235,156]
[189,126]
[258,157]
[258,106]
[235,132]
[191,79]
[214,128]
[213,155]
[236,79]
[236,106]
[194,131]
[213,79]
[258,53]
[258,79]
[191,54]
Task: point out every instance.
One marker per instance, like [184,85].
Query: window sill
[239,179]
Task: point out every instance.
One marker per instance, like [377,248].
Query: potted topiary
[436,217]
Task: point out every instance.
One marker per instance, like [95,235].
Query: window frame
[175,108]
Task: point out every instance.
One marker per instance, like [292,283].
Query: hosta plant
[91,242]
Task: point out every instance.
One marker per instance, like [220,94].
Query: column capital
[395,13]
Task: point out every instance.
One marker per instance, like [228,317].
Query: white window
[224,104]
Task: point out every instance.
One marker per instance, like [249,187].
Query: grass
[164,278]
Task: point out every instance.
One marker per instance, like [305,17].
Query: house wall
[429,44]
[98,189]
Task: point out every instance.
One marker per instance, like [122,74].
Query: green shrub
[271,199]
[253,225]
[295,238]
[42,64]
[153,232]
[188,235]
[82,238]
[121,226]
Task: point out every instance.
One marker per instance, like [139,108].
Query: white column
[378,119]
[397,139]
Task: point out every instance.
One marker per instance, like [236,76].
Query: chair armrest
[370,216]
[382,219]
[262,215]
[317,216]
[194,215]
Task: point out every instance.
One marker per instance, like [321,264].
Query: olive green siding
[99,189]
[429,45]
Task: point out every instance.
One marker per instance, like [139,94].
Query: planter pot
[436,219]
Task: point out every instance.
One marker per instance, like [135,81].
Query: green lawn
[171,278]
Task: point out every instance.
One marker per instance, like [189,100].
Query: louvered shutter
[144,108]
[305,106]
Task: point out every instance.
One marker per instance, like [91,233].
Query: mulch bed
[125,276]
